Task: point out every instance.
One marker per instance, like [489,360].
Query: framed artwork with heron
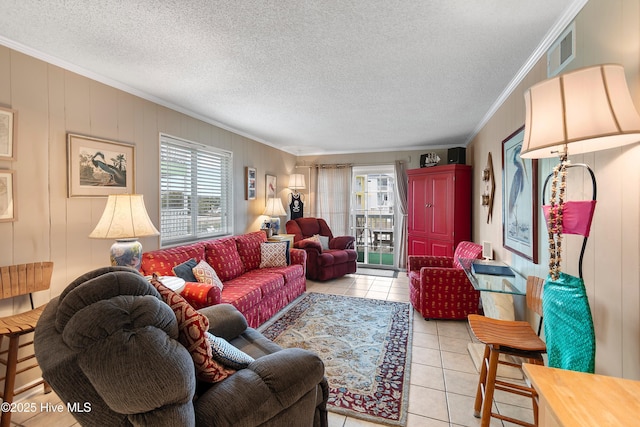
[519,199]
[99,167]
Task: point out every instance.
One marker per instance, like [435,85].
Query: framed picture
[251,178]
[270,187]
[7,196]
[7,134]
[519,199]
[99,167]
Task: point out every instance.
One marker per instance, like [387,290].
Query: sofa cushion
[185,270]
[274,254]
[228,355]
[223,256]
[290,272]
[267,281]
[324,241]
[204,273]
[192,328]
[249,248]
[162,261]
[241,296]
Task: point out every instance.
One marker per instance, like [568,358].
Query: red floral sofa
[258,293]
[438,286]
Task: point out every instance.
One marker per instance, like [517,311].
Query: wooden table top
[579,399]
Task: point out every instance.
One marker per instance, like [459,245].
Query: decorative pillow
[192,327]
[274,254]
[204,273]
[184,270]
[324,241]
[228,355]
[314,239]
[223,256]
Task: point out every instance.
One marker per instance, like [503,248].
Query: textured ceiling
[309,77]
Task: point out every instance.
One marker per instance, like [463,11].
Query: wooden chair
[512,338]
[16,280]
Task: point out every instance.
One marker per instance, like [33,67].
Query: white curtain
[402,184]
[333,196]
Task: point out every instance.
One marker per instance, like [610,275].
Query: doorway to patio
[373,215]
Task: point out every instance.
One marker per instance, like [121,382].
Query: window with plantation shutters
[195,191]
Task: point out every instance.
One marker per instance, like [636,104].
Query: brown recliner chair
[338,256]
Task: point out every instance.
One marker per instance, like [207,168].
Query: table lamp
[581,111]
[274,210]
[125,219]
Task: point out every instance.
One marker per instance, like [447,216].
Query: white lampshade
[589,109]
[296,181]
[124,217]
[274,208]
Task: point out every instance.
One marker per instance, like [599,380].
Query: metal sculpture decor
[489,187]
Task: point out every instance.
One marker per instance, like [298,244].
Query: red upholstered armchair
[328,258]
[439,287]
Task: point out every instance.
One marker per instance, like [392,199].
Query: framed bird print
[519,199]
[99,167]
[270,187]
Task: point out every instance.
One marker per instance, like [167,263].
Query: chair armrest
[269,385]
[225,320]
[201,295]
[342,242]
[309,244]
[416,262]
[298,256]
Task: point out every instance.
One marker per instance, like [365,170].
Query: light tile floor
[443,378]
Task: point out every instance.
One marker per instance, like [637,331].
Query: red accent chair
[439,287]
[336,260]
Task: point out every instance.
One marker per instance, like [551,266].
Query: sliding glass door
[373,215]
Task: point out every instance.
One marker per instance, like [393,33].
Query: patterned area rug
[365,345]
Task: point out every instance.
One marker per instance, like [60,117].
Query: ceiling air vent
[562,51]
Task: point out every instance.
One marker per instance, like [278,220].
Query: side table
[174,283]
[282,238]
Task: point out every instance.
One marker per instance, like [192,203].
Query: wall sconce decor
[489,187]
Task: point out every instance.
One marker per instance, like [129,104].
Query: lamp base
[275,225]
[126,252]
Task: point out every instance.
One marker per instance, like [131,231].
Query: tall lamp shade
[296,181]
[125,219]
[581,111]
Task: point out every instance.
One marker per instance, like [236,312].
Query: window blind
[195,191]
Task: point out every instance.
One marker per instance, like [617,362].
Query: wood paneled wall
[51,102]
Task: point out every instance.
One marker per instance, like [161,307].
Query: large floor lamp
[585,110]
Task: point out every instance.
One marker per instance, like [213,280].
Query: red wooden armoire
[439,207]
